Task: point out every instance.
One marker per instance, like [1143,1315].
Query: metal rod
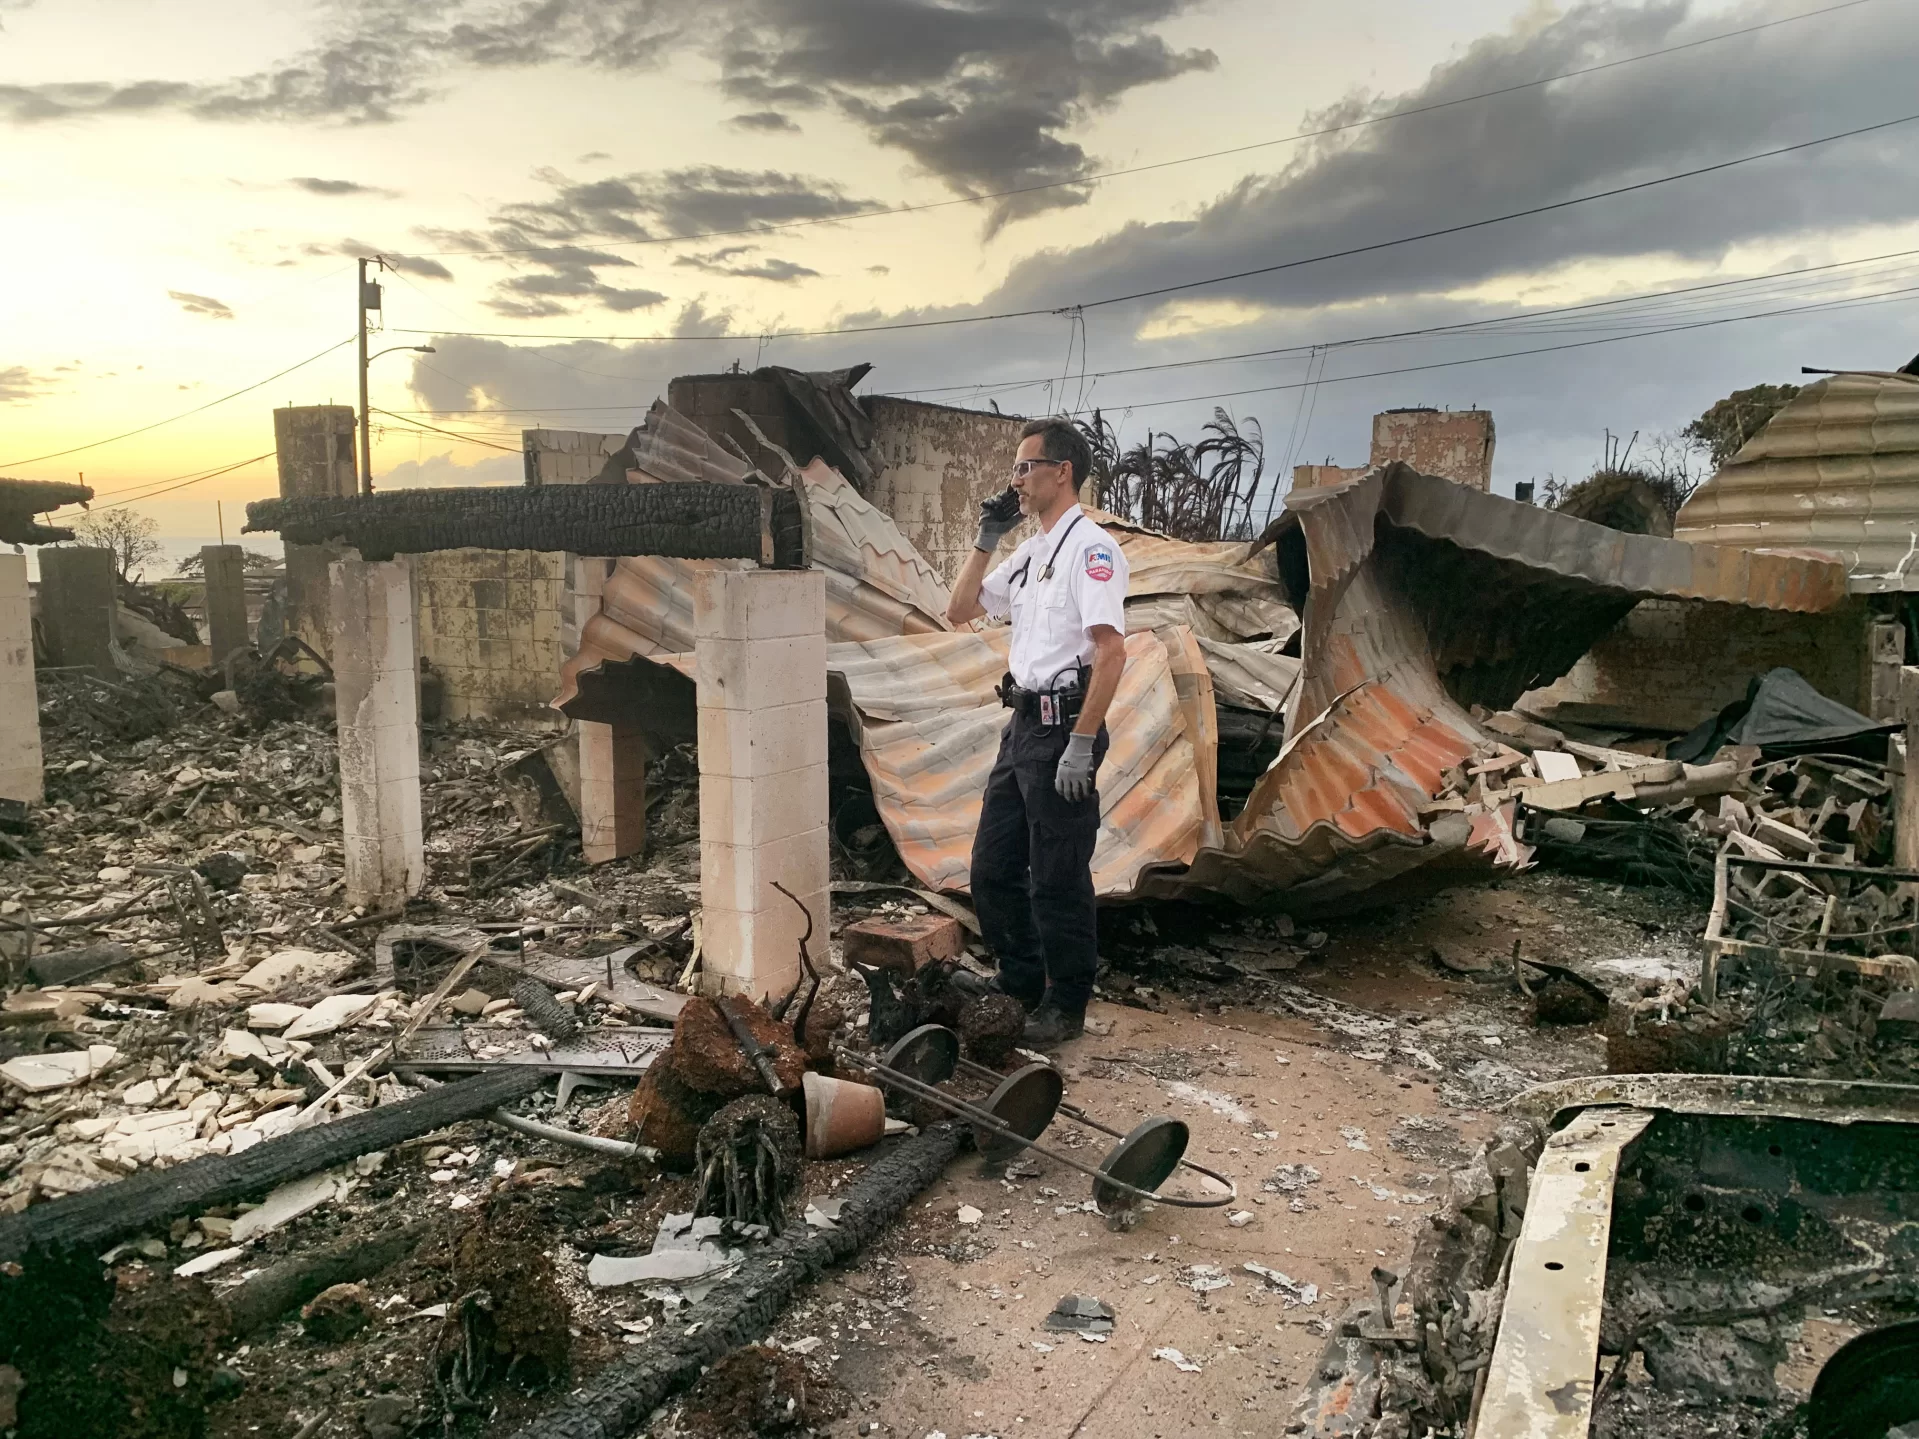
[991,1122]
[553,1134]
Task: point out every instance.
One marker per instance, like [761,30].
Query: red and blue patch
[1099,562]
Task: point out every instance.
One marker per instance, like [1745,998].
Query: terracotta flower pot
[842,1115]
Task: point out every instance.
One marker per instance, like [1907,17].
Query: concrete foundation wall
[1454,444]
[490,626]
[939,464]
[1671,663]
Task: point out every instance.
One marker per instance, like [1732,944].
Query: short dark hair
[1061,440]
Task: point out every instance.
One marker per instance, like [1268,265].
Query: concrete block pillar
[226,603]
[317,456]
[760,656]
[77,606]
[1888,661]
[376,677]
[612,791]
[21,775]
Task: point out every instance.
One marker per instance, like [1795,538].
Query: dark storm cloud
[1597,132]
[769,121]
[726,262]
[19,384]
[316,185]
[200,305]
[556,235]
[979,95]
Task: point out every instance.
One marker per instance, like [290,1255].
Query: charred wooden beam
[21,500]
[680,521]
[96,1218]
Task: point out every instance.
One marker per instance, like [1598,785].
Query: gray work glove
[1073,780]
[998,517]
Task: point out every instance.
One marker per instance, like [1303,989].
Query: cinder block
[745,743]
[903,944]
[759,604]
[763,808]
[758,674]
[740,876]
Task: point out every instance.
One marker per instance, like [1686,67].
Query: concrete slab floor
[964,1352]
[938,1327]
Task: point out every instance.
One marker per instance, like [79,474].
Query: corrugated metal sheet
[876,583]
[671,447]
[928,725]
[1252,676]
[1836,469]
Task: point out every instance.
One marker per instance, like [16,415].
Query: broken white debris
[290,1201]
[1240,1218]
[328,1015]
[969,1215]
[662,1266]
[37,1073]
[803,1347]
[1204,1278]
[208,1262]
[1178,1360]
[1295,1292]
[1355,1137]
[1219,1103]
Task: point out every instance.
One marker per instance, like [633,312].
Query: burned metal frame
[1540,1382]
[1720,947]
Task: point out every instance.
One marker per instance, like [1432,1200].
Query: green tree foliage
[1730,423]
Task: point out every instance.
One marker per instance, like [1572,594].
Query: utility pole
[368,299]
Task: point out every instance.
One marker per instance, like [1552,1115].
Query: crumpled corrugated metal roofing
[1837,468]
[671,447]
[928,724]
[1252,676]
[876,584]
[1422,596]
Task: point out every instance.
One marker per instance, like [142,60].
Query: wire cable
[1375,247]
[184,414]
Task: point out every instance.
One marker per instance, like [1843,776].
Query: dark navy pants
[1033,870]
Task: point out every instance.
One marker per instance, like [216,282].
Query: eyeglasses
[1023,468]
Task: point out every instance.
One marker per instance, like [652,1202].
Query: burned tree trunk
[682,521]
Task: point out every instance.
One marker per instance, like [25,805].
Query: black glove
[998,517]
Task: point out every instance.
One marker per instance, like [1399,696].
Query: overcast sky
[188,181]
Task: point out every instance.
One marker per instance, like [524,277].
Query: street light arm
[420,349]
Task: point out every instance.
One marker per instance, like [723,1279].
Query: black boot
[1052,1026]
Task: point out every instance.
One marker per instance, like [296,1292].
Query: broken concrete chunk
[244,1047]
[290,1201]
[208,1262]
[38,1073]
[1081,1314]
[1556,765]
[470,1001]
[328,1015]
[193,992]
[904,944]
[272,1016]
[292,967]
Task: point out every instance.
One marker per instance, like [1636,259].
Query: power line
[1373,248]
[184,414]
[1427,331]
[420,426]
[178,482]
[1886,296]
[1104,175]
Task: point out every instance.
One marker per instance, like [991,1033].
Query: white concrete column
[612,791]
[760,653]
[376,677]
[21,773]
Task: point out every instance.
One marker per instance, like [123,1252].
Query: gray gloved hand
[1073,780]
[998,517]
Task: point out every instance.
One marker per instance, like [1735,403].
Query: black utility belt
[1057,706]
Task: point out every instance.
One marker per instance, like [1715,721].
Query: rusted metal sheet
[1540,1382]
[928,725]
[671,447]
[1837,469]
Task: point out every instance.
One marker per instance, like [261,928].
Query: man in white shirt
[1065,590]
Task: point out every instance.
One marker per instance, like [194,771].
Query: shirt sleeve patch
[1099,561]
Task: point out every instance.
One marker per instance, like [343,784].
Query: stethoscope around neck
[1020,574]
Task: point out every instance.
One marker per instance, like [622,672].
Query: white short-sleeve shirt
[1054,609]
